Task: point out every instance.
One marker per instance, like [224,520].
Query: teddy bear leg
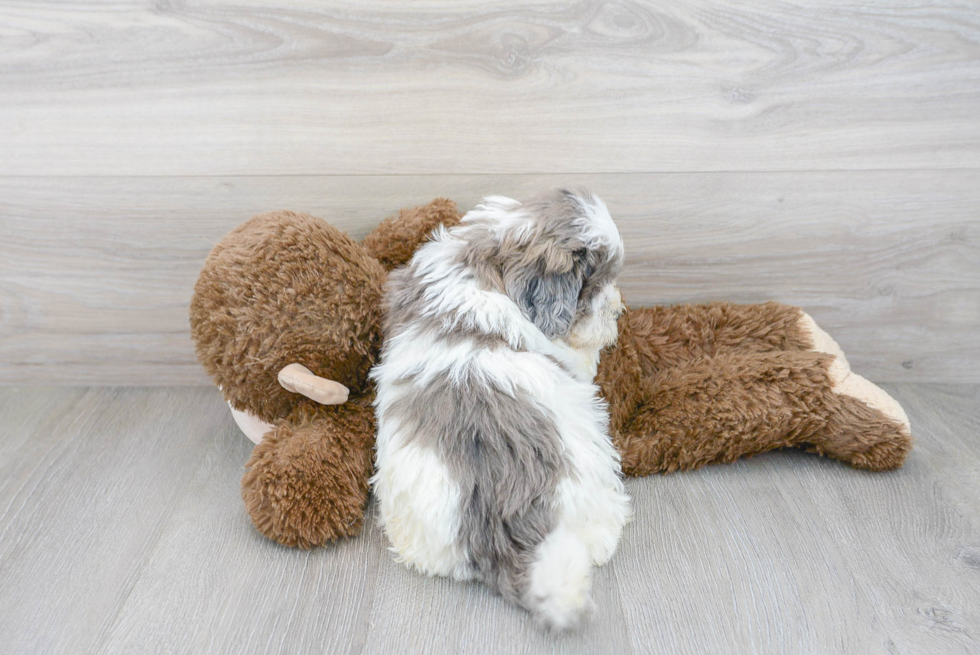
[718,409]
[306,483]
[670,336]
[865,427]
[818,340]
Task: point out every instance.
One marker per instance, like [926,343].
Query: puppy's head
[557,257]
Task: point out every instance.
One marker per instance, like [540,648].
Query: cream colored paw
[845,381]
[253,427]
[822,342]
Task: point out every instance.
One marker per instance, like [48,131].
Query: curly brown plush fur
[686,386]
[700,384]
[281,288]
[394,241]
[306,483]
[290,288]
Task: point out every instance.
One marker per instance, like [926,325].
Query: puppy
[494,461]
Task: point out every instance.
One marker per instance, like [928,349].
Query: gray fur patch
[555,276]
[549,299]
[404,305]
[505,453]
[557,211]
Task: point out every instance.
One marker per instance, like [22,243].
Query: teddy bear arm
[398,237]
[670,336]
[306,482]
[733,405]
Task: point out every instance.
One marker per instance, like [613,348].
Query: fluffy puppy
[494,461]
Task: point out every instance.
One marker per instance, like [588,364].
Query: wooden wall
[820,153]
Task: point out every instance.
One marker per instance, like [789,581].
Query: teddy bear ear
[299,379]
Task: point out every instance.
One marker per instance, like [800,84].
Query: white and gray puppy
[494,461]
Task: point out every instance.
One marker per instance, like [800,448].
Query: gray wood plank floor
[122,531]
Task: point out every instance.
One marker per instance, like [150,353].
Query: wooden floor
[122,531]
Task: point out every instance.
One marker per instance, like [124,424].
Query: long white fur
[419,501]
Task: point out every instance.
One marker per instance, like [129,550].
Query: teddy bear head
[286,288]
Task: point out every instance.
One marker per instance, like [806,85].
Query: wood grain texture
[519,86]
[925,529]
[214,584]
[790,553]
[88,479]
[96,273]
[122,530]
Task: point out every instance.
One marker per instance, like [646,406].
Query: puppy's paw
[822,342]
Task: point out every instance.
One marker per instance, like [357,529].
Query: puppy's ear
[546,286]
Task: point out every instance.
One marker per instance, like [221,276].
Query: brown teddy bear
[286,316]
[286,319]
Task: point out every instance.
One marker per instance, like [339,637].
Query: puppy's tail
[559,581]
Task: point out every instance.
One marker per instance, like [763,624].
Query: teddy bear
[286,319]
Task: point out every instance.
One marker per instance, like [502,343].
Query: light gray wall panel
[225,88]
[98,272]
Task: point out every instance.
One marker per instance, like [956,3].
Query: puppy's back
[491,457]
